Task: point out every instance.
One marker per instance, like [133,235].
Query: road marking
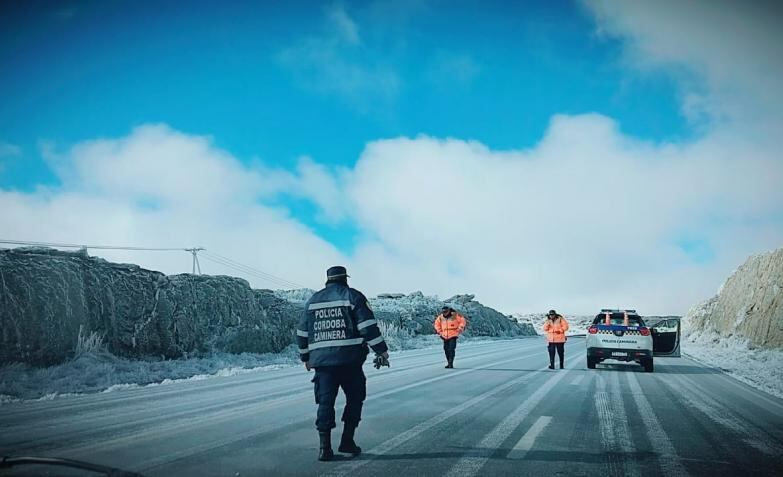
[471,465]
[721,414]
[302,394]
[613,423]
[389,445]
[350,467]
[668,460]
[577,380]
[526,442]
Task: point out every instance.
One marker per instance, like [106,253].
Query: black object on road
[379,361]
[8,462]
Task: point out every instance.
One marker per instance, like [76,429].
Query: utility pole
[195,251]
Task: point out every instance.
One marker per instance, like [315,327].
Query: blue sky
[475,71]
[271,82]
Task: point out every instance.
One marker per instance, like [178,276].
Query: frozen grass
[397,338]
[760,368]
[95,370]
[92,343]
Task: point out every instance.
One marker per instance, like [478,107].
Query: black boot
[347,444]
[325,452]
[551,365]
[561,365]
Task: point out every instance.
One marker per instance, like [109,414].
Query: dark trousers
[450,347]
[328,380]
[560,347]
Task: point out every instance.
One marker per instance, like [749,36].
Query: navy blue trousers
[328,380]
[450,347]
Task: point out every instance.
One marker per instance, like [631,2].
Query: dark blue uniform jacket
[336,326]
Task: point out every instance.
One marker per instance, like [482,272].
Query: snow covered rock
[47,297]
[417,312]
[749,305]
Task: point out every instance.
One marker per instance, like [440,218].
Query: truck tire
[590,363]
[648,365]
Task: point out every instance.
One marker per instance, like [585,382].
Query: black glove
[379,361]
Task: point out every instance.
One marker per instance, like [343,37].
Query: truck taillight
[644,331]
[592,330]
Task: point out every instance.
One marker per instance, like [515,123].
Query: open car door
[666,336]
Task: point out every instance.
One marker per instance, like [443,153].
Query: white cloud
[9,150]
[343,24]
[161,188]
[337,62]
[586,218]
[735,48]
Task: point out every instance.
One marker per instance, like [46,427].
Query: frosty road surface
[500,412]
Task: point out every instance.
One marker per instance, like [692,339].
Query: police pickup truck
[622,335]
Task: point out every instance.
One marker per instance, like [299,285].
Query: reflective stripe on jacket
[555,329]
[336,327]
[450,327]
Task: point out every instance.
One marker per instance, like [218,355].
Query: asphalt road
[500,412]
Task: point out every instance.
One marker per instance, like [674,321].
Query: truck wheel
[590,363]
[648,365]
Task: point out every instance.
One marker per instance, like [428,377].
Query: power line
[250,271]
[97,247]
[249,268]
[211,256]
[249,274]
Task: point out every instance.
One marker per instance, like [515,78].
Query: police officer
[333,337]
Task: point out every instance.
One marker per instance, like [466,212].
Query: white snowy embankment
[761,368]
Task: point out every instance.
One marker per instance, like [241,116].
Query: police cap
[336,272]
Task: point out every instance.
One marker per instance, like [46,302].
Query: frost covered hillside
[416,312]
[51,301]
[741,328]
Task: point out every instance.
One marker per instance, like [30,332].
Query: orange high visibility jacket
[555,329]
[450,327]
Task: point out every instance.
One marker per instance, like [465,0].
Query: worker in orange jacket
[555,328]
[449,325]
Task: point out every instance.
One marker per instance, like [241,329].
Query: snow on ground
[760,368]
[99,371]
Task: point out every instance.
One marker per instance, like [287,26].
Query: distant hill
[416,312]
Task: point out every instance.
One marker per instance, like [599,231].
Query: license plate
[617,353]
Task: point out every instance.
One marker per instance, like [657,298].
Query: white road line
[577,380]
[389,445]
[613,423]
[166,429]
[722,415]
[668,460]
[526,442]
[471,465]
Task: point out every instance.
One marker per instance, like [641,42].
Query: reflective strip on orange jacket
[451,327]
[555,330]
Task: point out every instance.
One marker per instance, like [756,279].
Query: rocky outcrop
[417,312]
[48,297]
[748,306]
